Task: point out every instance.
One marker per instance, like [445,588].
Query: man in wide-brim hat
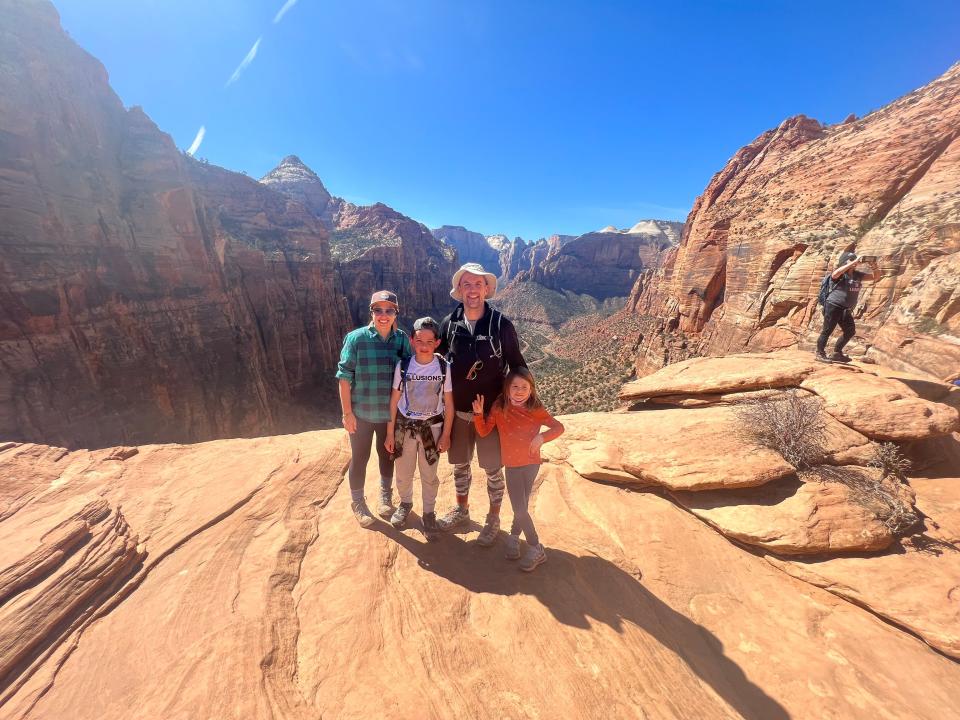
[481,346]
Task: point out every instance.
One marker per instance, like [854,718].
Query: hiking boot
[839,357]
[399,518]
[457,515]
[512,547]
[362,513]
[386,503]
[491,528]
[430,528]
[821,357]
[534,556]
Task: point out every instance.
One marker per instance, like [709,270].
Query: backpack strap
[404,369]
[496,343]
[444,366]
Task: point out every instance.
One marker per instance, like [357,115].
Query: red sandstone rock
[767,227]
[256,589]
[146,296]
[791,518]
[374,247]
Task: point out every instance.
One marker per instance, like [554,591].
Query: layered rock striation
[770,224]
[143,576]
[144,295]
[471,246]
[604,264]
[374,247]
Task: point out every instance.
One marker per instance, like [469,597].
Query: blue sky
[523,118]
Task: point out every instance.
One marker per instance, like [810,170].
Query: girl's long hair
[532,403]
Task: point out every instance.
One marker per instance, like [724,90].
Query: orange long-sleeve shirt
[517,428]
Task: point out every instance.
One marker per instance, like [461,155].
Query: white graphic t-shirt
[421,398]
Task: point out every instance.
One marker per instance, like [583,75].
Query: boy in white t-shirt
[421,418]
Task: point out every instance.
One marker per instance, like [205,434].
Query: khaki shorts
[464,438]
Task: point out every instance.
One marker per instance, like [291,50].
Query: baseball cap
[384,296]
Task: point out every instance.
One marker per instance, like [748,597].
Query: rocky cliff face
[374,247]
[604,264]
[768,226]
[143,295]
[471,246]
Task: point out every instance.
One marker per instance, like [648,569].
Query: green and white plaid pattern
[367,362]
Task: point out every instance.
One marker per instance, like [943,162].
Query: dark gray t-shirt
[846,290]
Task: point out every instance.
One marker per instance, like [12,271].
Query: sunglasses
[474,369]
[389,312]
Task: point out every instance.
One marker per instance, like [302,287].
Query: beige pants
[404,466]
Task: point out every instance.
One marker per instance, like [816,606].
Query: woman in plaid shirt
[365,375]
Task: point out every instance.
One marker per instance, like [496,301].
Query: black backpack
[496,344]
[405,368]
[826,287]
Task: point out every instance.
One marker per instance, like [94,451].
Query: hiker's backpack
[826,287]
[496,344]
[405,368]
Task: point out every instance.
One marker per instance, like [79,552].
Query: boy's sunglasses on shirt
[474,369]
[389,312]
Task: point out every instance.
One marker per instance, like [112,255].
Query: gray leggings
[519,488]
[360,443]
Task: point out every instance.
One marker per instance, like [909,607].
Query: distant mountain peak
[294,178]
[292,169]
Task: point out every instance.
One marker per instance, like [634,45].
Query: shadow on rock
[580,589]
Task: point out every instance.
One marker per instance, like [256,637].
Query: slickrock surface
[374,247]
[242,587]
[869,399]
[768,225]
[880,408]
[792,518]
[654,448]
[144,295]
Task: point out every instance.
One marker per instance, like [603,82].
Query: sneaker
[534,556]
[820,357]
[491,528]
[840,358]
[362,513]
[458,515]
[430,528]
[513,547]
[386,503]
[399,518]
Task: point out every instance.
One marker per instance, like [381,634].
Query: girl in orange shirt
[519,415]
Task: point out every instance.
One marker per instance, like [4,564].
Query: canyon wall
[769,225]
[144,296]
[603,264]
[374,247]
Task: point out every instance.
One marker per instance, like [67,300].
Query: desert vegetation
[794,424]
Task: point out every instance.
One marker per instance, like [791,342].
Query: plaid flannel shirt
[367,362]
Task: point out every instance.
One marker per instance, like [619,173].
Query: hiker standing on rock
[365,376]
[839,292]
[481,346]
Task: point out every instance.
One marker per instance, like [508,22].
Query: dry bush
[888,458]
[879,495]
[791,424]
[794,425]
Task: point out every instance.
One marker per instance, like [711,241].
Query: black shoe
[399,518]
[839,357]
[820,357]
[430,528]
